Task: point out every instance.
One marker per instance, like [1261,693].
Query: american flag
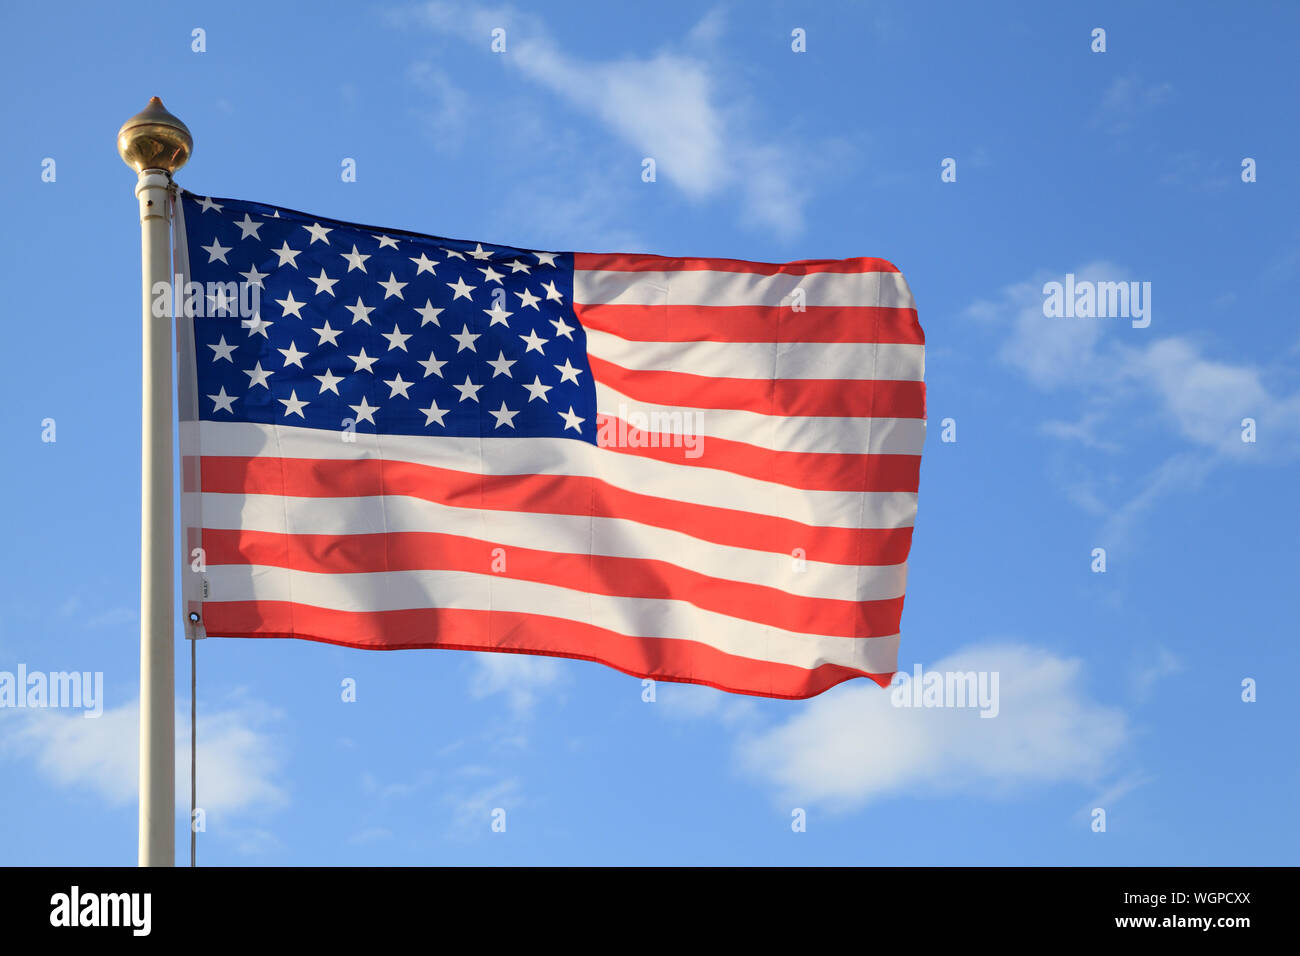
[697,470]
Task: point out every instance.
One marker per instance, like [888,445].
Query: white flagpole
[156,144]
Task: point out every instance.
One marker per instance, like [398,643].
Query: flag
[695,470]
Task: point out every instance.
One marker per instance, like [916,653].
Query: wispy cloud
[673,106]
[472,810]
[522,678]
[1127,100]
[851,746]
[1151,667]
[1125,378]
[238,763]
[692,701]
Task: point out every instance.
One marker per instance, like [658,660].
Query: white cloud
[1128,99]
[691,701]
[1207,399]
[851,745]
[1153,667]
[668,106]
[448,111]
[1125,376]
[1050,352]
[521,677]
[237,761]
[1112,794]
[1203,399]
[472,811]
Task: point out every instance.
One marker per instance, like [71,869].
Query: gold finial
[154,139]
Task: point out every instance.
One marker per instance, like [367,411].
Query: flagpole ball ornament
[154,139]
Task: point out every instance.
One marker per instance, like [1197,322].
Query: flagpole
[155,144]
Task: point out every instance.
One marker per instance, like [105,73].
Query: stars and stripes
[695,470]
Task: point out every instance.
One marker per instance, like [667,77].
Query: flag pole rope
[180,259]
[194,744]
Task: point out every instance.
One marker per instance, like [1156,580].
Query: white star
[329,382]
[223,351]
[526,299]
[568,373]
[216,250]
[356,260]
[468,391]
[361,358]
[258,375]
[386,241]
[432,412]
[360,311]
[396,385]
[432,366]
[325,332]
[254,277]
[428,314]
[365,411]
[221,301]
[461,289]
[292,356]
[572,420]
[503,415]
[392,287]
[396,338]
[287,255]
[535,342]
[291,306]
[293,405]
[491,275]
[424,264]
[248,227]
[318,233]
[256,326]
[324,283]
[498,314]
[465,340]
[207,203]
[546,258]
[501,365]
[562,328]
[537,389]
[552,292]
[453,252]
[479,253]
[517,266]
[222,402]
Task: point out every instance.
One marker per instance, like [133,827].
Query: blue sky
[1120,690]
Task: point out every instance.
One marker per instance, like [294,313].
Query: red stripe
[668,659]
[595,574]
[619,262]
[754,323]
[551,494]
[809,471]
[853,398]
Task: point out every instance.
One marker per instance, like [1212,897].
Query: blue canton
[383,331]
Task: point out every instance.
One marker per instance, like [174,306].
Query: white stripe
[634,617]
[566,534]
[552,456]
[700,287]
[869,436]
[765,360]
